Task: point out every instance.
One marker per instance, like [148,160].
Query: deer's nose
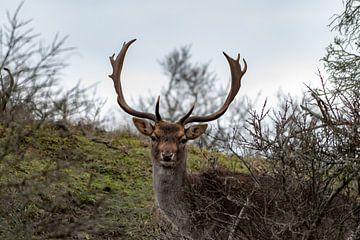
[167,156]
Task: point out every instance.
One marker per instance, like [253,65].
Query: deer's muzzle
[167,156]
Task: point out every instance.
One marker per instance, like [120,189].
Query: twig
[239,217]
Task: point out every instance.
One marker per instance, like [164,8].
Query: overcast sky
[282,40]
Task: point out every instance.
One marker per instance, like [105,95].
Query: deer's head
[169,138]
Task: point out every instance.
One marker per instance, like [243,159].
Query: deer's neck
[171,187]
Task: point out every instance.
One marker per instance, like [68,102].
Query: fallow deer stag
[214,204]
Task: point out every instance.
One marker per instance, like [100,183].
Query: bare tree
[33,87]
[188,83]
[34,65]
[193,83]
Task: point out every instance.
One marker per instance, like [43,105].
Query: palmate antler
[236,75]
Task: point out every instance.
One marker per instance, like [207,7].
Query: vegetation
[343,54]
[79,187]
[63,177]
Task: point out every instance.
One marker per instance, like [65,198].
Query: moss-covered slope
[69,186]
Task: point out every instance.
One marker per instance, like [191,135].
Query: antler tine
[187,115]
[117,65]
[236,75]
[157,106]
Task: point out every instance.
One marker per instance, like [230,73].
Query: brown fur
[218,195]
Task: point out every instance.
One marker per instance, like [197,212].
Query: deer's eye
[154,138]
[183,140]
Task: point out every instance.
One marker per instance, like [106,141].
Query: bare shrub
[35,166]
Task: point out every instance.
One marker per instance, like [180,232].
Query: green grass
[105,180]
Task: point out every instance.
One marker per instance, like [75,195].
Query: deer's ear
[145,127]
[195,131]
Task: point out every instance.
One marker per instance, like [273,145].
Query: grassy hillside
[64,185]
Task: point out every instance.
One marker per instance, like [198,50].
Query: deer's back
[260,206]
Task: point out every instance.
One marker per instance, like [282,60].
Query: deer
[212,204]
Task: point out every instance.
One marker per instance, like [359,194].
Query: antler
[117,65]
[236,75]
